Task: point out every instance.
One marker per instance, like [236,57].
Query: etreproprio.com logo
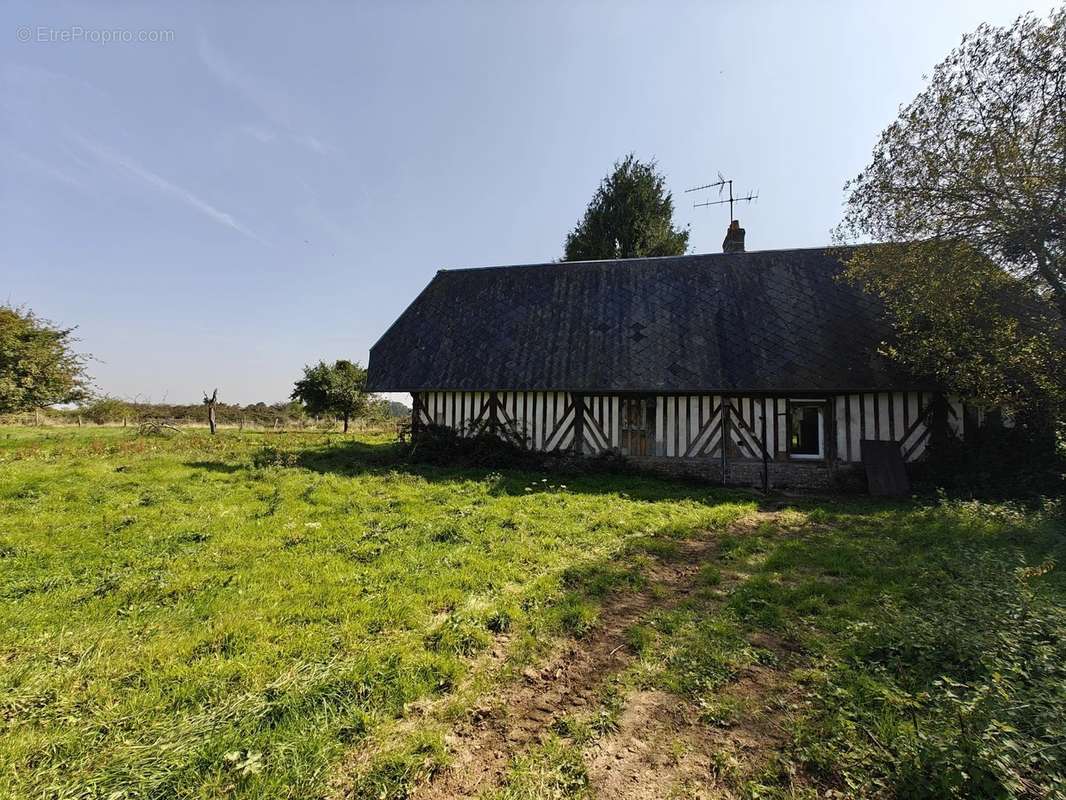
[76,33]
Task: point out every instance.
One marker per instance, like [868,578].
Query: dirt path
[662,746]
[663,749]
[569,682]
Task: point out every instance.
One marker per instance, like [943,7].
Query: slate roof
[759,321]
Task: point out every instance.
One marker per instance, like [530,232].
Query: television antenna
[722,184]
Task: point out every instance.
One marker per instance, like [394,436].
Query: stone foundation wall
[706,469]
[742,472]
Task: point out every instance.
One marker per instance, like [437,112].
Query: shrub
[106,409]
[505,447]
[500,447]
[1024,463]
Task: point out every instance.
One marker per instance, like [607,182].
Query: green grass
[258,615]
[549,770]
[932,645]
[196,616]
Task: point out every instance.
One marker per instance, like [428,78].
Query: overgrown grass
[196,616]
[200,616]
[939,644]
[931,644]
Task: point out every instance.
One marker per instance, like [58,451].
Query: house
[753,368]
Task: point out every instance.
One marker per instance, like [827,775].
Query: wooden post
[579,423]
[494,411]
[765,455]
[37,416]
[830,443]
[416,407]
[938,424]
[727,409]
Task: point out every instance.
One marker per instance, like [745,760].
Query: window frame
[822,407]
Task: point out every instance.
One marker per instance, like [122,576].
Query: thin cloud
[311,142]
[273,103]
[165,186]
[44,168]
[260,134]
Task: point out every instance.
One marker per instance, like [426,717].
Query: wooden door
[636,414]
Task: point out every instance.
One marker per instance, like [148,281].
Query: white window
[806,429]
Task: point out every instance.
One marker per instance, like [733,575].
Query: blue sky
[272,183]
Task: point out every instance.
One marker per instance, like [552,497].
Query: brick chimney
[734,238]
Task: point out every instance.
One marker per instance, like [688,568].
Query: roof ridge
[644,259]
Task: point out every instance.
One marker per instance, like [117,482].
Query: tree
[969,184]
[38,364]
[630,216]
[339,389]
[963,322]
[107,409]
[398,410]
[980,155]
[379,409]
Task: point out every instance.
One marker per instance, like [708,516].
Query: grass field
[298,615]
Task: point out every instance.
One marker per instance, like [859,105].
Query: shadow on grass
[215,466]
[352,458]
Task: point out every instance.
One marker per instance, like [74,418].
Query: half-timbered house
[758,368]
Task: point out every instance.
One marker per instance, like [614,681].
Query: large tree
[980,155]
[38,363]
[631,215]
[338,389]
[969,184]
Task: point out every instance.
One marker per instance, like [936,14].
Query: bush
[486,447]
[1024,462]
[504,447]
[106,409]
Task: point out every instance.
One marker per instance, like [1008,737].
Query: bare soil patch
[665,748]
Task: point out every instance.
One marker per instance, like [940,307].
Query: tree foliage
[630,216]
[107,409]
[963,322]
[338,389]
[38,364]
[980,155]
[970,183]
